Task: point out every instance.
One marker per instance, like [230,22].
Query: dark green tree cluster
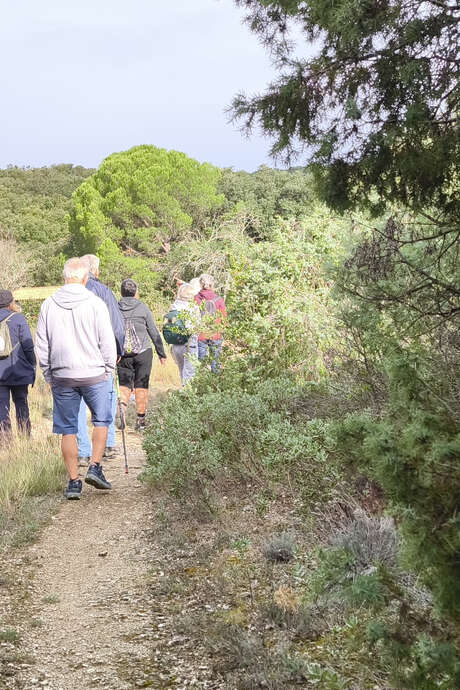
[268,195]
[375,104]
[34,205]
[402,306]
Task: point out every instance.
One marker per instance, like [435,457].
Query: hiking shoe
[95,477]
[73,491]
[110,452]
[140,424]
[83,461]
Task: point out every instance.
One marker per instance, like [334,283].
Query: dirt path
[132,589]
[89,597]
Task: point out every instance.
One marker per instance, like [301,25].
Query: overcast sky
[80,79]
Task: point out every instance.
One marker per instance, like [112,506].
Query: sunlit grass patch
[37,293]
[167,375]
[30,468]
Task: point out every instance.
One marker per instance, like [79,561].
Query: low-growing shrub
[280,548]
[196,439]
[369,540]
[413,454]
[358,576]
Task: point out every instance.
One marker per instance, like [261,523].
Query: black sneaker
[110,452]
[95,477]
[140,424]
[83,461]
[73,491]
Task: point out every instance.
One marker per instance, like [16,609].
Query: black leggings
[19,395]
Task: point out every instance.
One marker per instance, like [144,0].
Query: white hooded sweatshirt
[74,339]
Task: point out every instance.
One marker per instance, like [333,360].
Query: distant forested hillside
[34,203]
[136,228]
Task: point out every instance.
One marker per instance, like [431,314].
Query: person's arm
[42,344]
[106,295]
[27,343]
[222,308]
[106,338]
[154,334]
[118,323]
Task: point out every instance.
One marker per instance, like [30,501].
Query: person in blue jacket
[17,371]
[118,326]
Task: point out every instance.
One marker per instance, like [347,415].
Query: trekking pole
[122,421]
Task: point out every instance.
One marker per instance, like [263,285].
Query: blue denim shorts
[67,404]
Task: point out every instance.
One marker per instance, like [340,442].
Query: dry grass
[30,467]
[166,376]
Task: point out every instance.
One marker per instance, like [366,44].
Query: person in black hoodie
[135,365]
[17,371]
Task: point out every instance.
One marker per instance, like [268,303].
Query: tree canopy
[141,199]
[376,102]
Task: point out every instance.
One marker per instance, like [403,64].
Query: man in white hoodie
[76,350]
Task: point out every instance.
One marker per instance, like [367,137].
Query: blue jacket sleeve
[116,319]
[27,343]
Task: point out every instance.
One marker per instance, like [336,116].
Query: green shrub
[413,453]
[408,641]
[232,433]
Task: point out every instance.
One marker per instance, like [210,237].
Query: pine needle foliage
[369,90]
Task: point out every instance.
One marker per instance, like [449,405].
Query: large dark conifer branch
[375,106]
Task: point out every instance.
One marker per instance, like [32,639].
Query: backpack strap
[7,318]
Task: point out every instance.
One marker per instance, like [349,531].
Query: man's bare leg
[69,448]
[99,439]
[142,395]
[125,394]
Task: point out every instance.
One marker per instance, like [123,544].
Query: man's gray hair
[93,262]
[206,281]
[75,269]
